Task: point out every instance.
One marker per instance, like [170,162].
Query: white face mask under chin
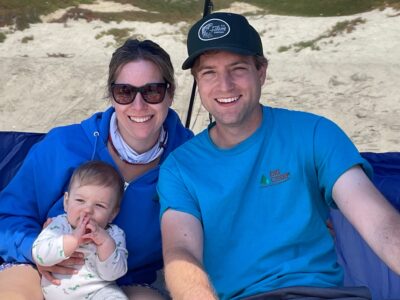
[127,154]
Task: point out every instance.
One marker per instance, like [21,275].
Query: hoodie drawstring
[96,134]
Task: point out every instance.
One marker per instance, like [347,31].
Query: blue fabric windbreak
[13,148]
[386,175]
[361,265]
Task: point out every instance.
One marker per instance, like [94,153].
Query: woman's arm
[36,191]
[20,214]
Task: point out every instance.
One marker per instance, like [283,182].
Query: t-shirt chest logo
[273,177]
[213,29]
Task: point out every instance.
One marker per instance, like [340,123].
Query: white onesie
[95,279]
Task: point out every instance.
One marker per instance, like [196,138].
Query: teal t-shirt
[263,204]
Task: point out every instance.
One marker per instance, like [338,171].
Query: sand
[58,77]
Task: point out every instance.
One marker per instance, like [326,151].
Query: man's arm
[182,238]
[372,215]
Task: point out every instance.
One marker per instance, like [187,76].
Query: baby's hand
[96,234]
[100,237]
[80,229]
[76,237]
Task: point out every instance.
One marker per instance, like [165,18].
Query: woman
[135,135]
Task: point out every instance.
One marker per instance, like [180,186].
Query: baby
[91,203]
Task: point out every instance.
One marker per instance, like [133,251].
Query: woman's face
[139,122]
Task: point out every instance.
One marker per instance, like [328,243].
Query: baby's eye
[101,205]
[80,200]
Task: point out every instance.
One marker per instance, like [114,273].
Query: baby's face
[97,202]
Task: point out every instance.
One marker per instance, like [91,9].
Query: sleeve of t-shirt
[334,154]
[173,192]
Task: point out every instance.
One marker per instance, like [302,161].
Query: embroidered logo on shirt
[274,177]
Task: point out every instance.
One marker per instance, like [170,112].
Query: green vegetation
[59,54]
[339,28]
[284,48]
[154,11]
[2,37]
[21,13]
[26,39]
[312,8]
[345,26]
[120,35]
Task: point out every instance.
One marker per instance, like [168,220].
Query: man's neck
[228,136]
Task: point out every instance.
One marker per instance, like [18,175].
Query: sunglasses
[152,93]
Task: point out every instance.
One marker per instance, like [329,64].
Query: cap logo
[213,29]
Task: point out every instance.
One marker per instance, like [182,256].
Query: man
[244,204]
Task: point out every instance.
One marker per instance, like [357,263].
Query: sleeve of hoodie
[35,190]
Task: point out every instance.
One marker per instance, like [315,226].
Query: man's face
[230,88]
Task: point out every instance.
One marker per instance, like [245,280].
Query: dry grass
[21,13]
[343,27]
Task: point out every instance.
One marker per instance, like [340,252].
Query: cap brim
[188,63]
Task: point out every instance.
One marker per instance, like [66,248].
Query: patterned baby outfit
[95,279]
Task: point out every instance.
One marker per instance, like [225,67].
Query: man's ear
[262,74]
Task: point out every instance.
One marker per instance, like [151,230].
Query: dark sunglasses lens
[154,93]
[123,94]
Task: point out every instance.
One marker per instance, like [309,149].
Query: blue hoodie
[36,193]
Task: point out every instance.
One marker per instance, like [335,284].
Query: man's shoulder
[294,120]
[187,150]
[293,115]
[194,142]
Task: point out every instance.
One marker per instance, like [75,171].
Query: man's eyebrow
[239,62]
[204,67]
[235,63]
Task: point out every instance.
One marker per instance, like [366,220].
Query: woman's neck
[141,145]
[130,171]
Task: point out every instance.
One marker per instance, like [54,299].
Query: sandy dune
[58,76]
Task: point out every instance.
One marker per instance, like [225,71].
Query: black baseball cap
[222,31]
